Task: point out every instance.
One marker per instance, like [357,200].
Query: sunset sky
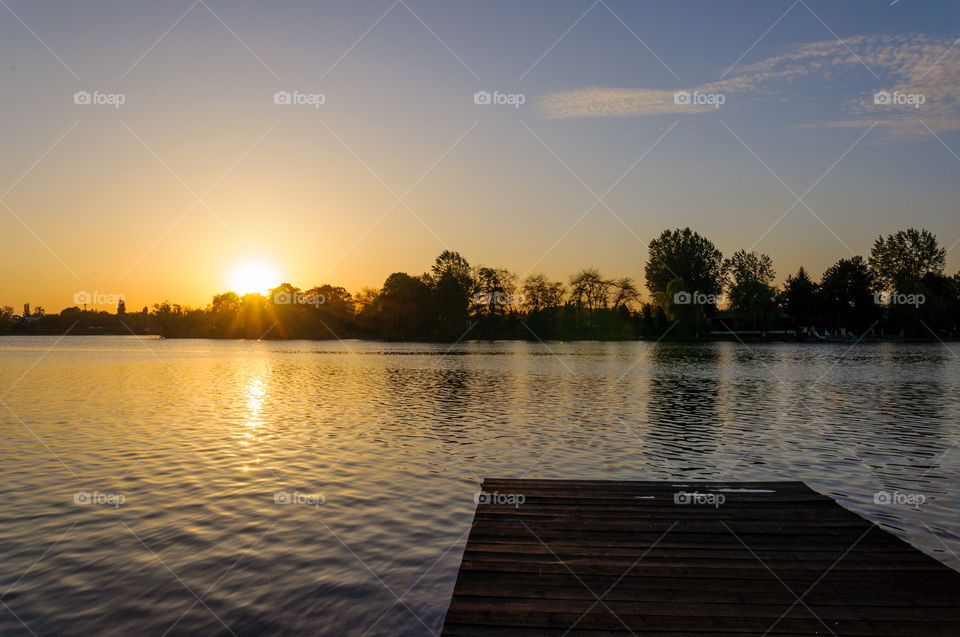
[199,172]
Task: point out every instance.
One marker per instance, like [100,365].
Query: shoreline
[716,338]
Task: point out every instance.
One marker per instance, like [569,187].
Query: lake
[169,487]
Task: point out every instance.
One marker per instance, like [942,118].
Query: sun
[253,276]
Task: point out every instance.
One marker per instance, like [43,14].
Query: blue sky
[199,170]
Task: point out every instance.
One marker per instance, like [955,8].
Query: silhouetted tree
[257,319]
[366,299]
[685,310]
[904,258]
[404,305]
[590,291]
[495,292]
[453,284]
[624,292]
[543,301]
[438,304]
[847,295]
[751,292]
[800,297]
[224,314]
[683,254]
[541,293]
[940,310]
[588,288]
[452,264]
[228,302]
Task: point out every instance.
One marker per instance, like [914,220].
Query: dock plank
[612,558]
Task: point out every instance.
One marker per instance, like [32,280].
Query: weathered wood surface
[615,558]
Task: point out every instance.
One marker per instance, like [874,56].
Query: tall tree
[751,290]
[225,309]
[800,297]
[904,258]
[683,254]
[624,292]
[588,288]
[453,284]
[404,303]
[452,263]
[750,266]
[591,292]
[541,293]
[365,300]
[846,292]
[495,291]
[6,316]
[688,317]
[755,304]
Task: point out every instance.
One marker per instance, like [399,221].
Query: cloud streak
[906,64]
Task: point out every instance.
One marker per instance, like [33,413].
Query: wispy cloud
[908,64]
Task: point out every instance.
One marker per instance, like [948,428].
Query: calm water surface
[198,437]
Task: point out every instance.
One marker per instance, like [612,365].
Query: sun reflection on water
[255,394]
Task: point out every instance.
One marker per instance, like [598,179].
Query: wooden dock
[650,558]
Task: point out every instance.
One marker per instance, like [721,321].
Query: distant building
[121,307]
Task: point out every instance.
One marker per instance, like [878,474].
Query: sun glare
[253,277]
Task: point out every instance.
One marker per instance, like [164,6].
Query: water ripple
[202,439]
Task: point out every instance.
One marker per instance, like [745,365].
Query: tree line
[899,290]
